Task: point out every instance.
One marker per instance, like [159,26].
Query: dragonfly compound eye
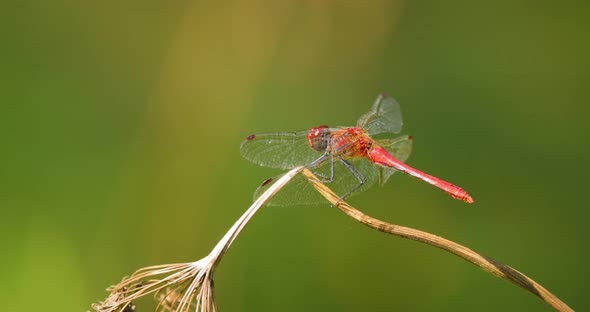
[318,138]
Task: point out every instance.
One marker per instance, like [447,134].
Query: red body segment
[349,143]
[354,142]
[380,156]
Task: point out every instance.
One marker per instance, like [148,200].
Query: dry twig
[184,286]
[487,264]
[189,286]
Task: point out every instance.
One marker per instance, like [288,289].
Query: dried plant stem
[233,232]
[189,286]
[487,264]
[184,286]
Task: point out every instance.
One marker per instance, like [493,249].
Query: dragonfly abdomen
[380,156]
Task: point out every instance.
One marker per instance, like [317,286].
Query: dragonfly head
[318,138]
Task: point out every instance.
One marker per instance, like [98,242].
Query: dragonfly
[348,159]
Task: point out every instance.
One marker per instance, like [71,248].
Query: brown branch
[487,264]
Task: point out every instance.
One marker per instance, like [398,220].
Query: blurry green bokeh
[121,121]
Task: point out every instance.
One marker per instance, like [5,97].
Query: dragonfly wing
[369,172]
[283,150]
[384,117]
[297,192]
[300,192]
[400,148]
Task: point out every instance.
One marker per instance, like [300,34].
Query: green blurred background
[121,122]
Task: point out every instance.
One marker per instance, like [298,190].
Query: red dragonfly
[347,158]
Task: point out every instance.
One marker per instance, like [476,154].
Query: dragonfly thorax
[349,143]
[340,142]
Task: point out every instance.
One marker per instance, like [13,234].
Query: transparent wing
[297,192]
[400,148]
[300,192]
[283,150]
[384,117]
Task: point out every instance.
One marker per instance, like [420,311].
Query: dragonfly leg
[360,177]
[316,163]
[331,178]
[332,170]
